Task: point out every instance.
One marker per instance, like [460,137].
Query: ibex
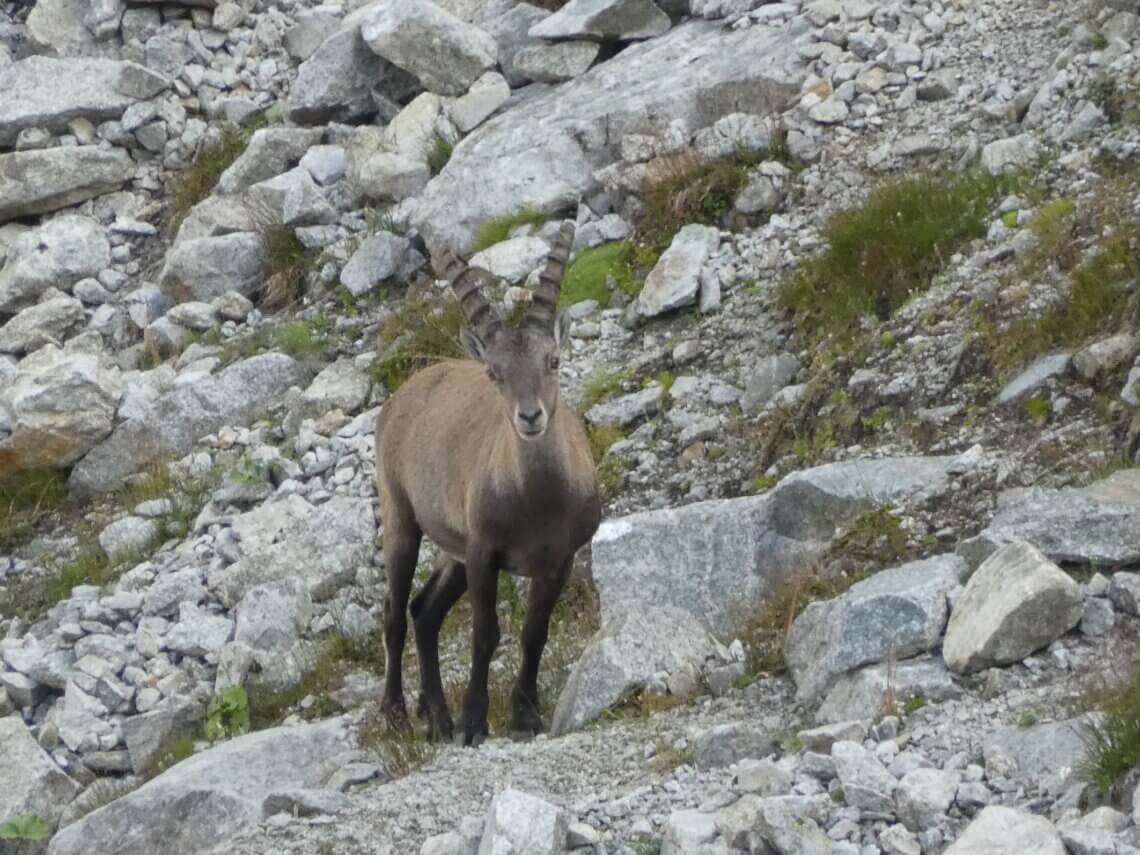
[478,455]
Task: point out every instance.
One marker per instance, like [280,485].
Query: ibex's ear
[474,346]
[562,323]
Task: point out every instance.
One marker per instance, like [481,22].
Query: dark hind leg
[526,721]
[401,551]
[429,609]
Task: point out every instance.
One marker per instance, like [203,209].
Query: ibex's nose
[531,418]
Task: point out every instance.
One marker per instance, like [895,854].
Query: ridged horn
[464,280]
[544,299]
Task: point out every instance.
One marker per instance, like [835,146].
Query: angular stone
[127,536]
[49,321]
[1033,377]
[553,63]
[627,653]
[897,612]
[675,279]
[866,692]
[1004,829]
[213,217]
[59,253]
[1015,603]
[443,52]
[271,151]
[292,199]
[205,268]
[97,90]
[725,744]
[178,419]
[785,830]
[340,386]
[543,154]
[378,258]
[604,20]
[23,691]
[627,409]
[924,796]
[771,375]
[866,784]
[1049,754]
[520,822]
[1105,355]
[1007,155]
[199,633]
[688,831]
[272,617]
[822,738]
[512,259]
[222,789]
[45,180]
[30,781]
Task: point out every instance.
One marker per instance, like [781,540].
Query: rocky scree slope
[866,551]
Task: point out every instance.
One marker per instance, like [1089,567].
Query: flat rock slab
[96,89]
[864,693]
[604,20]
[44,180]
[1048,754]
[999,830]
[194,804]
[543,153]
[718,559]
[179,418]
[1098,524]
[30,781]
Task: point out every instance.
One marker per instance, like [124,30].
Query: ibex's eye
[552,362]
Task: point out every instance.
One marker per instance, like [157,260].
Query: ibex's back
[479,456]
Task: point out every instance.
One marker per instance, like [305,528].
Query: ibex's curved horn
[480,314]
[544,299]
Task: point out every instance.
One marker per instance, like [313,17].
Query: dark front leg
[526,720]
[429,609]
[401,550]
[482,585]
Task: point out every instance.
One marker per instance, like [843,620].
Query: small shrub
[499,229]
[198,180]
[304,339]
[420,333]
[227,714]
[667,758]
[439,155]
[879,254]
[25,827]
[588,275]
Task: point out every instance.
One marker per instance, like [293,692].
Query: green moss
[880,254]
[499,229]
[588,275]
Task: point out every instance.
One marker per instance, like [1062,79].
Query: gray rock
[325,163]
[629,652]
[762,194]
[771,375]
[171,589]
[233,306]
[553,63]
[344,79]
[866,784]
[897,612]
[1105,355]
[223,789]
[378,258]
[1015,603]
[512,259]
[59,253]
[1130,392]
[305,802]
[1005,829]
[127,536]
[145,305]
[194,316]
[205,268]
[199,633]
[1008,155]
[57,27]
[322,546]
[719,559]
[58,405]
[725,744]
[627,409]
[339,386]
[271,618]
[1098,618]
[938,85]
[50,321]
[1049,755]
[179,418]
[310,29]
[293,199]
[762,777]
[604,20]
[1097,524]
[821,738]
[271,151]
[865,692]
[1033,377]
[487,94]
[675,279]
[520,822]
[785,830]
[23,691]
[30,781]
[98,89]
[688,831]
[214,217]
[38,182]
[543,154]
[1124,591]
[443,52]
[924,796]
[147,735]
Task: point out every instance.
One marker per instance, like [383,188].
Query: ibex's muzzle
[530,422]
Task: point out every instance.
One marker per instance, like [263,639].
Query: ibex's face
[523,363]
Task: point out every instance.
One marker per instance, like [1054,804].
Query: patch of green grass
[421,332]
[762,482]
[1039,410]
[588,274]
[667,758]
[403,749]
[839,797]
[24,498]
[913,704]
[601,385]
[173,751]
[439,155]
[873,541]
[301,338]
[888,249]
[499,229]
[601,438]
[1113,738]
[287,263]
[198,180]
[25,827]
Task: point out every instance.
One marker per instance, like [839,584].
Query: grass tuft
[601,385]
[287,263]
[1113,739]
[587,278]
[24,498]
[499,229]
[439,155]
[880,254]
[421,332]
[198,180]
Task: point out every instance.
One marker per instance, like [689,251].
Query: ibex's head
[522,361]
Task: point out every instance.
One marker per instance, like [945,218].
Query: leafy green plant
[25,827]
[227,715]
